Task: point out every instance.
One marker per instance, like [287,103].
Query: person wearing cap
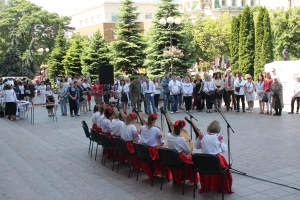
[229,86]
[42,89]
[135,90]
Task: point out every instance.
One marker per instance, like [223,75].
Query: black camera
[143,99]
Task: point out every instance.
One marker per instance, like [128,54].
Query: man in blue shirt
[165,84]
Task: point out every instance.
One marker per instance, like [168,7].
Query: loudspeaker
[106,74]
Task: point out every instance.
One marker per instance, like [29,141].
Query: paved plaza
[49,160]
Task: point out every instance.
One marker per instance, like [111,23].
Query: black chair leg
[162,177]
[113,167]
[138,171]
[152,170]
[184,171]
[103,152]
[96,151]
[130,163]
[195,184]
[223,185]
[167,174]
[118,162]
[92,150]
[90,146]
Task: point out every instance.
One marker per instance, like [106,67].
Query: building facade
[104,17]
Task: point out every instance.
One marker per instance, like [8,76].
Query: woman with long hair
[260,93]
[219,86]
[187,91]
[267,87]
[177,142]
[151,137]
[212,142]
[197,93]
[123,89]
[157,91]
[31,89]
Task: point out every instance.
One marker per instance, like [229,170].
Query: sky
[65,7]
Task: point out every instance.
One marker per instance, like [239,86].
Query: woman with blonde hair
[212,142]
[249,88]
[267,87]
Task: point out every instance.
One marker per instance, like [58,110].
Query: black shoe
[237,110]
[276,114]
[244,110]
[290,112]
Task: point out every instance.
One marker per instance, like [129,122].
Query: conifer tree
[127,50]
[55,65]
[267,44]
[94,55]
[158,64]
[247,42]
[30,67]
[259,35]
[234,43]
[72,61]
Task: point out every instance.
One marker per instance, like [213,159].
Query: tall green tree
[72,59]
[30,67]
[127,50]
[234,43]
[158,64]
[12,62]
[259,36]
[267,43]
[55,65]
[29,21]
[94,55]
[247,42]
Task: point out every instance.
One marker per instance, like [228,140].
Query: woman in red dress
[211,142]
[177,142]
[98,91]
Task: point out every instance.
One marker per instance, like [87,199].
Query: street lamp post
[171,24]
[43,65]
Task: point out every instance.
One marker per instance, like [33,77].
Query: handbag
[265,98]
[237,89]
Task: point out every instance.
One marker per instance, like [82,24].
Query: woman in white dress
[42,89]
[260,92]
[249,91]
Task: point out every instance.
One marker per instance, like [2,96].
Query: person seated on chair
[100,119]
[95,117]
[116,125]
[211,142]
[177,142]
[106,122]
[129,134]
[151,137]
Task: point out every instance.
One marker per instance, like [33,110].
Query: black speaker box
[106,74]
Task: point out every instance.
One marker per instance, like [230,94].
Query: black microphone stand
[191,119]
[228,134]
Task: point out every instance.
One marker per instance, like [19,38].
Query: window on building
[114,18]
[188,5]
[80,23]
[92,20]
[233,2]
[242,2]
[252,2]
[86,22]
[148,16]
[223,2]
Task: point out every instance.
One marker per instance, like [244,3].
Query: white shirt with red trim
[210,144]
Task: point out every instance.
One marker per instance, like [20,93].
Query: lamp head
[162,21]
[170,20]
[177,20]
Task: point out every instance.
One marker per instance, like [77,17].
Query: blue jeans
[166,101]
[150,99]
[63,106]
[174,105]
[78,106]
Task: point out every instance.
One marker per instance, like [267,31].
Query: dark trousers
[73,107]
[156,99]
[278,111]
[242,98]
[293,102]
[209,101]
[106,98]
[188,101]
[145,103]
[230,94]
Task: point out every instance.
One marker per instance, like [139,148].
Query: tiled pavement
[50,160]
